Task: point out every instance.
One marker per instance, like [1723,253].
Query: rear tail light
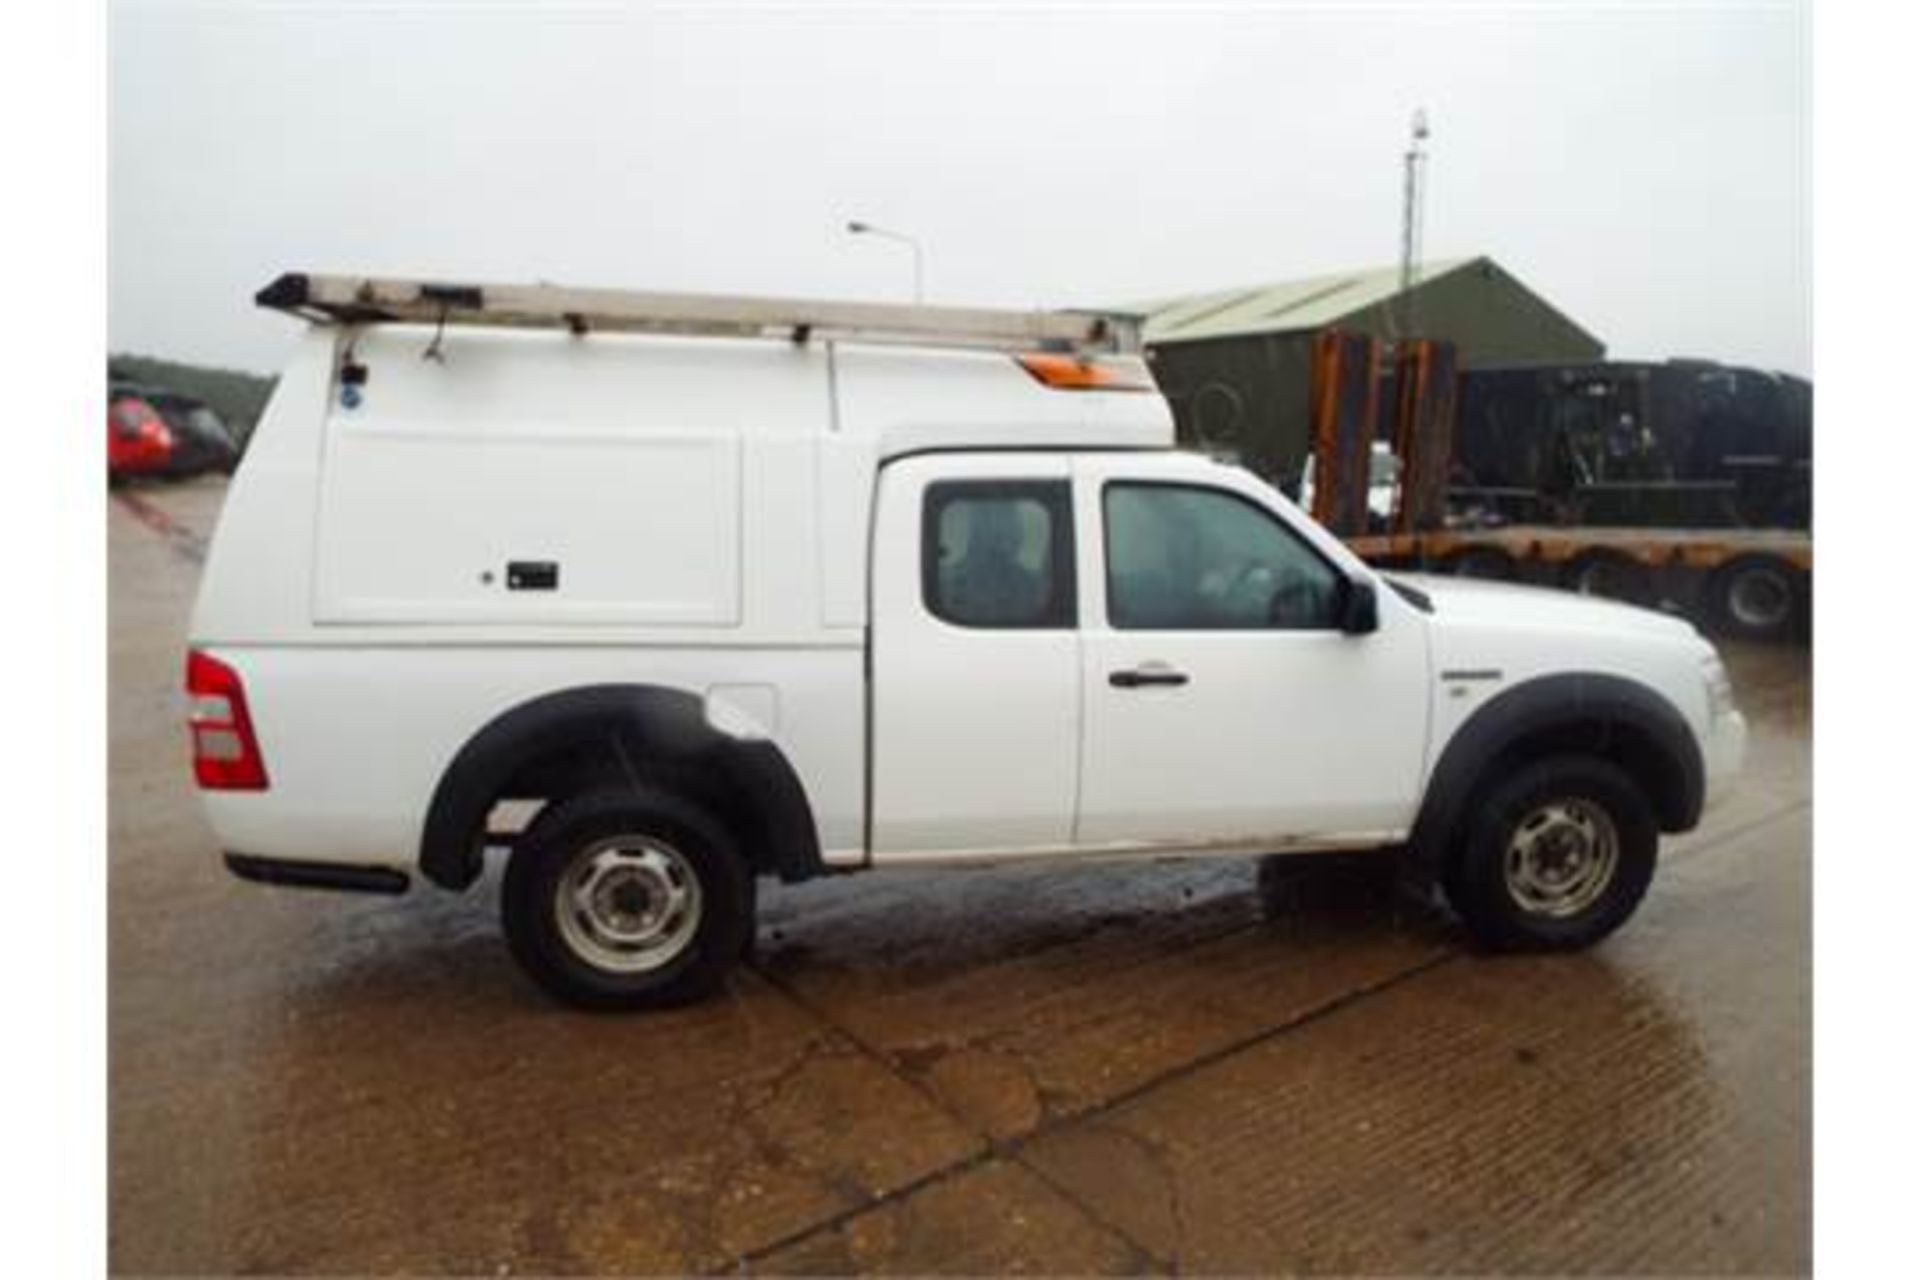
[133,420]
[226,755]
[1076,373]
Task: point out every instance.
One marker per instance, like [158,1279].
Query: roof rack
[362,300]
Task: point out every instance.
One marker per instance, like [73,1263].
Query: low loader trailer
[1753,584]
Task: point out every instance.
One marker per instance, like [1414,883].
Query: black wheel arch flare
[631,730]
[1604,715]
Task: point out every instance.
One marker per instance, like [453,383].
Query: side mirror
[1359,609]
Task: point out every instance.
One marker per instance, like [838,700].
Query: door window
[1186,558]
[999,553]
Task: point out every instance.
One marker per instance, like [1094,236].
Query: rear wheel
[1556,857]
[1755,598]
[626,898]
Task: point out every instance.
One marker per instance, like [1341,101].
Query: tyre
[626,898]
[1610,575]
[1556,857]
[1487,563]
[1755,598]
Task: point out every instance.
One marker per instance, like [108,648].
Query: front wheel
[1557,857]
[626,899]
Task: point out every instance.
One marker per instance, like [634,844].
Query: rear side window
[998,553]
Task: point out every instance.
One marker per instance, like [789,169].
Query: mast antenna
[1412,199]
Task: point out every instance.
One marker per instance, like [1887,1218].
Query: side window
[1183,558]
[998,553]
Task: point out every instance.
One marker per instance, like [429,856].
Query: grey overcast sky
[1645,167]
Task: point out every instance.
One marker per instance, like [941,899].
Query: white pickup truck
[736,588]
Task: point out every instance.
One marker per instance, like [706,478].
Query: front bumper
[1726,753]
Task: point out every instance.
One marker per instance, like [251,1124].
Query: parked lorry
[1678,444]
[1683,481]
[1684,484]
[726,589]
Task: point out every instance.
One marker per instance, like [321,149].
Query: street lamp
[919,261]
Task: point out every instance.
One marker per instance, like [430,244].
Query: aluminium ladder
[363,300]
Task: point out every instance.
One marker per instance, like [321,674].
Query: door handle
[1152,673]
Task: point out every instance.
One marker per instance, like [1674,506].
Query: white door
[976,661]
[1223,701]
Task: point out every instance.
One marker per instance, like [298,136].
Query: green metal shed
[1236,364]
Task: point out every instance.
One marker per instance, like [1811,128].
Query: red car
[139,441]
[152,432]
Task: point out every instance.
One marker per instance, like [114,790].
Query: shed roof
[1283,307]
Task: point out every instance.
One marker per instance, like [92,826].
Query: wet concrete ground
[1106,1070]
